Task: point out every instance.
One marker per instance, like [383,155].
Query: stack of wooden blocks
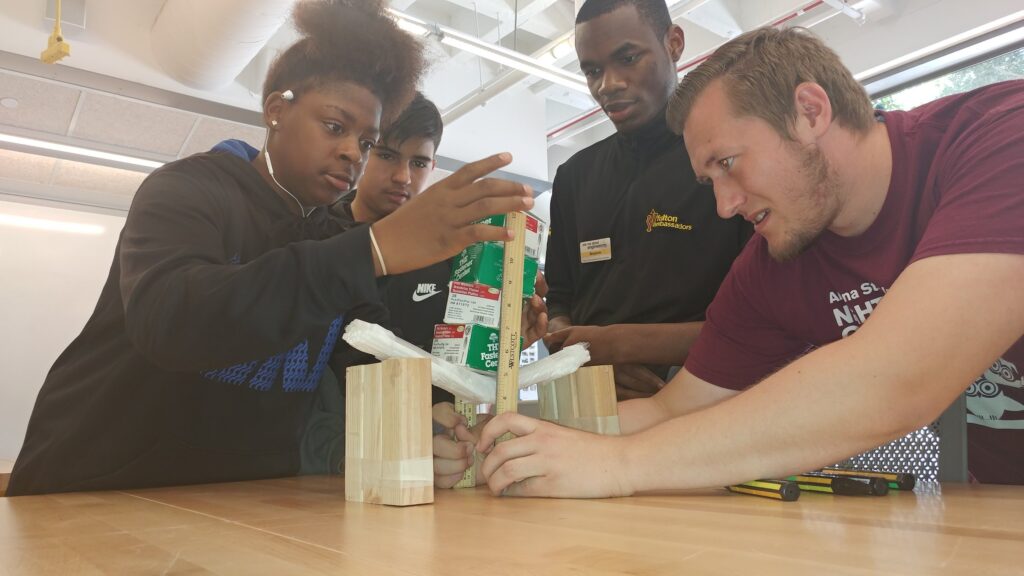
[584,400]
[388,442]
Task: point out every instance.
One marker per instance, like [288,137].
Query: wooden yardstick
[511,318]
[467,409]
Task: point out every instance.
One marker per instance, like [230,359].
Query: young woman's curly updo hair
[349,41]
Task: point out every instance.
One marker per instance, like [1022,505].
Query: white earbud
[286,95]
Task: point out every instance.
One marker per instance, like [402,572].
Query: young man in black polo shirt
[637,251]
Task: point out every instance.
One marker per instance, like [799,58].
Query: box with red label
[536,233]
[469,345]
[483,263]
[470,303]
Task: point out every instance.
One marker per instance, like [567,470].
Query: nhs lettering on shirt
[293,366]
[851,308]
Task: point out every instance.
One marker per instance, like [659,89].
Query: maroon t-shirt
[957,187]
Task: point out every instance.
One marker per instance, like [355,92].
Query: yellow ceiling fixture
[57,48]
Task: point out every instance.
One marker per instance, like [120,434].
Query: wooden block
[584,400]
[547,401]
[595,392]
[557,399]
[388,444]
[360,444]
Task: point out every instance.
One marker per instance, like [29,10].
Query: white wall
[492,128]
[49,284]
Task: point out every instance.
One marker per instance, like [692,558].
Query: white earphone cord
[270,168]
[287,95]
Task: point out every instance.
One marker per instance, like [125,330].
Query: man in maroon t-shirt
[885,279]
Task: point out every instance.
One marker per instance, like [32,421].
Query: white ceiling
[112,94]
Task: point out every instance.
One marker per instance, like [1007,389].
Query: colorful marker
[833,485]
[777,489]
[896,480]
[879,486]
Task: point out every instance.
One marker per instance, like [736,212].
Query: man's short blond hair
[762,68]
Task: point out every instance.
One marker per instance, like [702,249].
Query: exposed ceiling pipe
[504,81]
[498,54]
[850,11]
[205,44]
[479,97]
[559,130]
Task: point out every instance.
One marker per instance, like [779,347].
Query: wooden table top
[304,526]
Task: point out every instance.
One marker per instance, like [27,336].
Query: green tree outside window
[1008,66]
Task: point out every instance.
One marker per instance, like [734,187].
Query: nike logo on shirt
[424,291]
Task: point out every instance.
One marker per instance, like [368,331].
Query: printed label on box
[449,343]
[473,304]
[471,345]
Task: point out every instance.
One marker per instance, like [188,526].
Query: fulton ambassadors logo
[658,220]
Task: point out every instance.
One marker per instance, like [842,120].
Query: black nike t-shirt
[415,300]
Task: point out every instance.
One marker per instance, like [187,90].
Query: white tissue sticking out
[383,344]
[561,363]
[460,381]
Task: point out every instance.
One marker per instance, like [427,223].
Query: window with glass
[1006,66]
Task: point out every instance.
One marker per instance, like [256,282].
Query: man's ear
[813,111]
[675,42]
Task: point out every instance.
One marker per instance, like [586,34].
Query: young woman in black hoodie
[230,280]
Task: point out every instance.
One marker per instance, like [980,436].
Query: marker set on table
[838,481]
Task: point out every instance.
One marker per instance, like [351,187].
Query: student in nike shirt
[397,170]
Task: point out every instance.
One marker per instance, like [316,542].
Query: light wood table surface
[304,526]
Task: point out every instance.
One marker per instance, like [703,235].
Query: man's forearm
[666,344]
[800,418]
[898,372]
[685,394]
[557,323]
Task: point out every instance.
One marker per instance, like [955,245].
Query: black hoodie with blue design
[210,335]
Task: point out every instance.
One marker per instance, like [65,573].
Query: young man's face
[786,188]
[320,144]
[630,69]
[394,174]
